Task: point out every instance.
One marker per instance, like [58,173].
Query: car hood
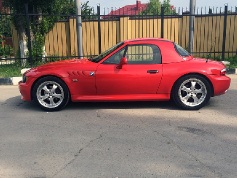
[63,66]
[65,63]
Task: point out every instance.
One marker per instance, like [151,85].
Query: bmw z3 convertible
[149,69]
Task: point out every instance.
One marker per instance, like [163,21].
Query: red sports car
[133,70]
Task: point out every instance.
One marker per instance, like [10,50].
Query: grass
[10,70]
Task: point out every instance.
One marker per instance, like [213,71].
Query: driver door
[141,75]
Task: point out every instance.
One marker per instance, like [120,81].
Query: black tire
[191,92]
[51,93]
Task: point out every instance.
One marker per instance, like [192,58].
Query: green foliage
[42,24]
[168,8]
[43,14]
[5,31]
[5,25]
[37,46]
[154,8]
[233,62]
[87,11]
[10,70]
[6,51]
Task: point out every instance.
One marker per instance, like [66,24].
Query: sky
[177,3]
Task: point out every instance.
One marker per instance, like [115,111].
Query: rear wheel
[191,92]
[51,93]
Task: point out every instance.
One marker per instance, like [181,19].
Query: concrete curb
[10,81]
[5,81]
[231,71]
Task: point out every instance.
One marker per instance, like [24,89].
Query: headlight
[24,79]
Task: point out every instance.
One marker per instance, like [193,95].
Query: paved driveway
[124,140]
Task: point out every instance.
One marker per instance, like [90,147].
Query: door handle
[152,71]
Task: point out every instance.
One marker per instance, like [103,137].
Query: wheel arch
[209,81]
[33,85]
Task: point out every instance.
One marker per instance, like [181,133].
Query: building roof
[133,9]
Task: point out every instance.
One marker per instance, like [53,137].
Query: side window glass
[115,58]
[143,54]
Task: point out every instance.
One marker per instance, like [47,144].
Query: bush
[10,70]
[233,61]
[6,51]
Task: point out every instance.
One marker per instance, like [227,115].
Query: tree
[169,9]
[154,8]
[87,11]
[5,26]
[5,32]
[42,16]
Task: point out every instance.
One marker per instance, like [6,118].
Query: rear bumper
[220,84]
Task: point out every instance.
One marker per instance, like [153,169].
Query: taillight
[223,71]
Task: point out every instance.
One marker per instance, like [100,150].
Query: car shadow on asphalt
[223,103]
[122,105]
[17,103]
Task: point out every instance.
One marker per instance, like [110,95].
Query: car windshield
[104,54]
[182,52]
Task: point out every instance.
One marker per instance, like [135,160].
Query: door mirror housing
[122,62]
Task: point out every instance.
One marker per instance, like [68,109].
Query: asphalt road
[118,140]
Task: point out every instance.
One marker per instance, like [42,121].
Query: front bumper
[25,90]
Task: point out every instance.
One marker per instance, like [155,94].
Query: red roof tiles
[133,9]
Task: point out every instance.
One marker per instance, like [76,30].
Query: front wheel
[51,93]
[191,92]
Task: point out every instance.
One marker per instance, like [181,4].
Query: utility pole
[79,28]
[191,25]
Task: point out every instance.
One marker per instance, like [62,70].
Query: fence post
[224,33]
[191,25]
[162,21]
[99,29]
[79,29]
[28,35]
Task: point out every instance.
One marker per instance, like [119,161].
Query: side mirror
[122,62]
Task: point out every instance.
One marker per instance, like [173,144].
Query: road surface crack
[171,141]
[77,154]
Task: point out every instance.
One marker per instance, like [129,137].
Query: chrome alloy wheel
[192,92]
[50,94]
